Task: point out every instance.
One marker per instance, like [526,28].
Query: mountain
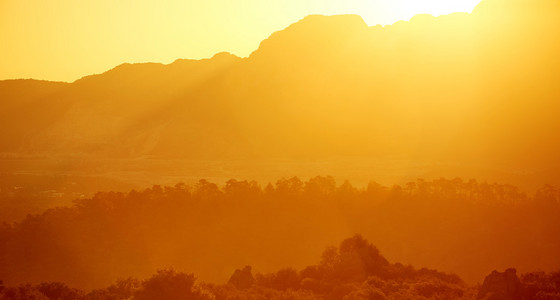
[465,89]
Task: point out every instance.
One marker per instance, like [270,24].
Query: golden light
[405,9]
[65,40]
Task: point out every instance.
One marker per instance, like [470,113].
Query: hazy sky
[67,39]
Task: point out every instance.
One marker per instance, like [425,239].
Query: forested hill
[465,227]
[355,270]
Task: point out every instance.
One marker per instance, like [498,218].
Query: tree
[170,285]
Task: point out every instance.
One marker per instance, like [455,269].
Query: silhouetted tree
[242,279]
[170,285]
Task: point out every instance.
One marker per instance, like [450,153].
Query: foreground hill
[476,89]
[464,227]
[355,270]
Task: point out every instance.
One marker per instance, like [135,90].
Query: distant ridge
[463,88]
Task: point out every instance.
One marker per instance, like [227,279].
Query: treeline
[355,270]
[23,194]
[456,226]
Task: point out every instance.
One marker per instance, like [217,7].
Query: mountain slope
[476,88]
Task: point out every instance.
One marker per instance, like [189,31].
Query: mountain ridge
[432,89]
[538,8]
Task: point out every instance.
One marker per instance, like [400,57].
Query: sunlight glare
[386,12]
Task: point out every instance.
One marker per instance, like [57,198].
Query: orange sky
[64,40]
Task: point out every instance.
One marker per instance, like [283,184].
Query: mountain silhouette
[479,88]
